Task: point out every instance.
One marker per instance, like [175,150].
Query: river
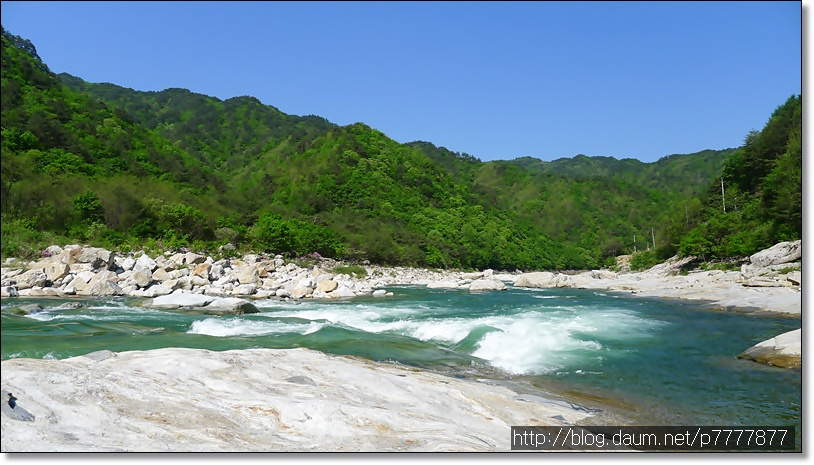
[648,361]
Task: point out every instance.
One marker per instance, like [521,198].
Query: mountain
[759,199]
[68,157]
[128,169]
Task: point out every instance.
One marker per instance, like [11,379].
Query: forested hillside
[125,169]
[759,199]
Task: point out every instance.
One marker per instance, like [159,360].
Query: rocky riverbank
[258,400]
[771,281]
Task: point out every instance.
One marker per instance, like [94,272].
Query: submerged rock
[783,351]
[29,309]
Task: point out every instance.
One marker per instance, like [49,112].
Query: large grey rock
[244,289]
[603,274]
[443,285]
[306,282]
[157,290]
[270,284]
[248,275]
[177,259]
[216,272]
[181,300]
[487,285]
[98,258]
[230,306]
[202,270]
[31,278]
[128,263]
[784,351]
[542,280]
[795,277]
[198,281]
[41,292]
[782,252]
[142,277]
[341,292]
[161,275]
[327,285]
[144,262]
[301,292]
[193,258]
[282,293]
[204,304]
[103,284]
[53,268]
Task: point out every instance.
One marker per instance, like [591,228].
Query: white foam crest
[530,346]
[240,327]
[537,343]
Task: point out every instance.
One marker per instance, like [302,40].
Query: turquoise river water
[652,361]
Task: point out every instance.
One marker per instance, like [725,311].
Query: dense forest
[125,169]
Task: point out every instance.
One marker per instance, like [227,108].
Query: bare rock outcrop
[262,400]
[783,351]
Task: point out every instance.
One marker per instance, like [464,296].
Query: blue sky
[497,80]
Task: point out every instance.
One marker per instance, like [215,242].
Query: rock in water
[443,285]
[181,300]
[781,351]
[29,309]
[204,303]
[487,285]
[230,306]
[543,279]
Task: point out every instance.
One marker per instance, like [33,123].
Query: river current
[651,361]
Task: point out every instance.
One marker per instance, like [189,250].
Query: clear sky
[497,80]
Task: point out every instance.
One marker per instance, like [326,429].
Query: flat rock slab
[258,400]
[783,351]
[182,300]
[204,304]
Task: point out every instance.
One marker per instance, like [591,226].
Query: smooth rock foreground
[257,400]
[783,351]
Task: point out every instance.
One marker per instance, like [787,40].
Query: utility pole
[723,195]
[634,243]
[654,237]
